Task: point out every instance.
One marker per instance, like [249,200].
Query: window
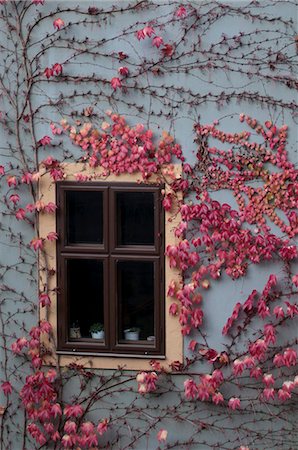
[50,264]
[110,266]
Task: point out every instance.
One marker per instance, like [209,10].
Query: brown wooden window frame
[109,252]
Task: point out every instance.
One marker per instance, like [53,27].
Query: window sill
[109,355]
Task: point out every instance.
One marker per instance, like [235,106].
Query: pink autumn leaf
[55,436]
[148,31]
[14,198]
[20,214]
[140,35]
[68,441]
[48,72]
[87,428]
[279,312]
[52,236]
[55,130]
[268,379]
[6,388]
[39,205]
[173,309]
[102,427]
[58,23]
[51,375]
[57,68]
[122,56]
[18,345]
[56,410]
[116,83]
[167,50]
[44,300]
[167,202]
[217,398]
[162,435]
[292,309]
[50,207]
[289,385]
[123,71]
[27,178]
[46,140]
[283,395]
[70,427]
[295,279]
[36,244]
[192,345]
[45,326]
[157,41]
[290,357]
[268,394]
[30,207]
[181,12]
[11,181]
[190,389]
[234,403]
[145,32]
[73,411]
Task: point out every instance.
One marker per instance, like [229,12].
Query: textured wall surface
[202,81]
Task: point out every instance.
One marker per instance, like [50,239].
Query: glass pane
[135,282]
[135,218]
[85,297]
[84,217]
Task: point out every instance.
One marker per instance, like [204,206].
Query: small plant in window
[132,334]
[97,331]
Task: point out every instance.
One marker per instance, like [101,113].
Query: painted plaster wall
[172,115]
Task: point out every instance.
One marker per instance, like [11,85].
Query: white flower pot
[98,335]
[131,335]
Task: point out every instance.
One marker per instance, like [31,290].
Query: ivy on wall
[253,379]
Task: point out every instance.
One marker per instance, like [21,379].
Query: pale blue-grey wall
[220,299]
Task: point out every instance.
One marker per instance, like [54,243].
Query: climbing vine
[76,87]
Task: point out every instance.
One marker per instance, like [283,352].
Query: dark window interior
[84,211]
[135,218]
[85,293]
[135,285]
[110,259]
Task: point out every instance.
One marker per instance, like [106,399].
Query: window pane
[135,283]
[135,218]
[85,295]
[84,217]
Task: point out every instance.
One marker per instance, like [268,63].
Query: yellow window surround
[47,223]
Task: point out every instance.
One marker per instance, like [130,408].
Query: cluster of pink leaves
[261,306]
[25,212]
[207,389]
[217,236]
[215,233]
[167,49]
[56,69]
[50,421]
[146,382]
[257,350]
[229,247]
[246,161]
[119,148]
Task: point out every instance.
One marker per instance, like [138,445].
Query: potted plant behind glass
[132,334]
[97,331]
[75,330]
